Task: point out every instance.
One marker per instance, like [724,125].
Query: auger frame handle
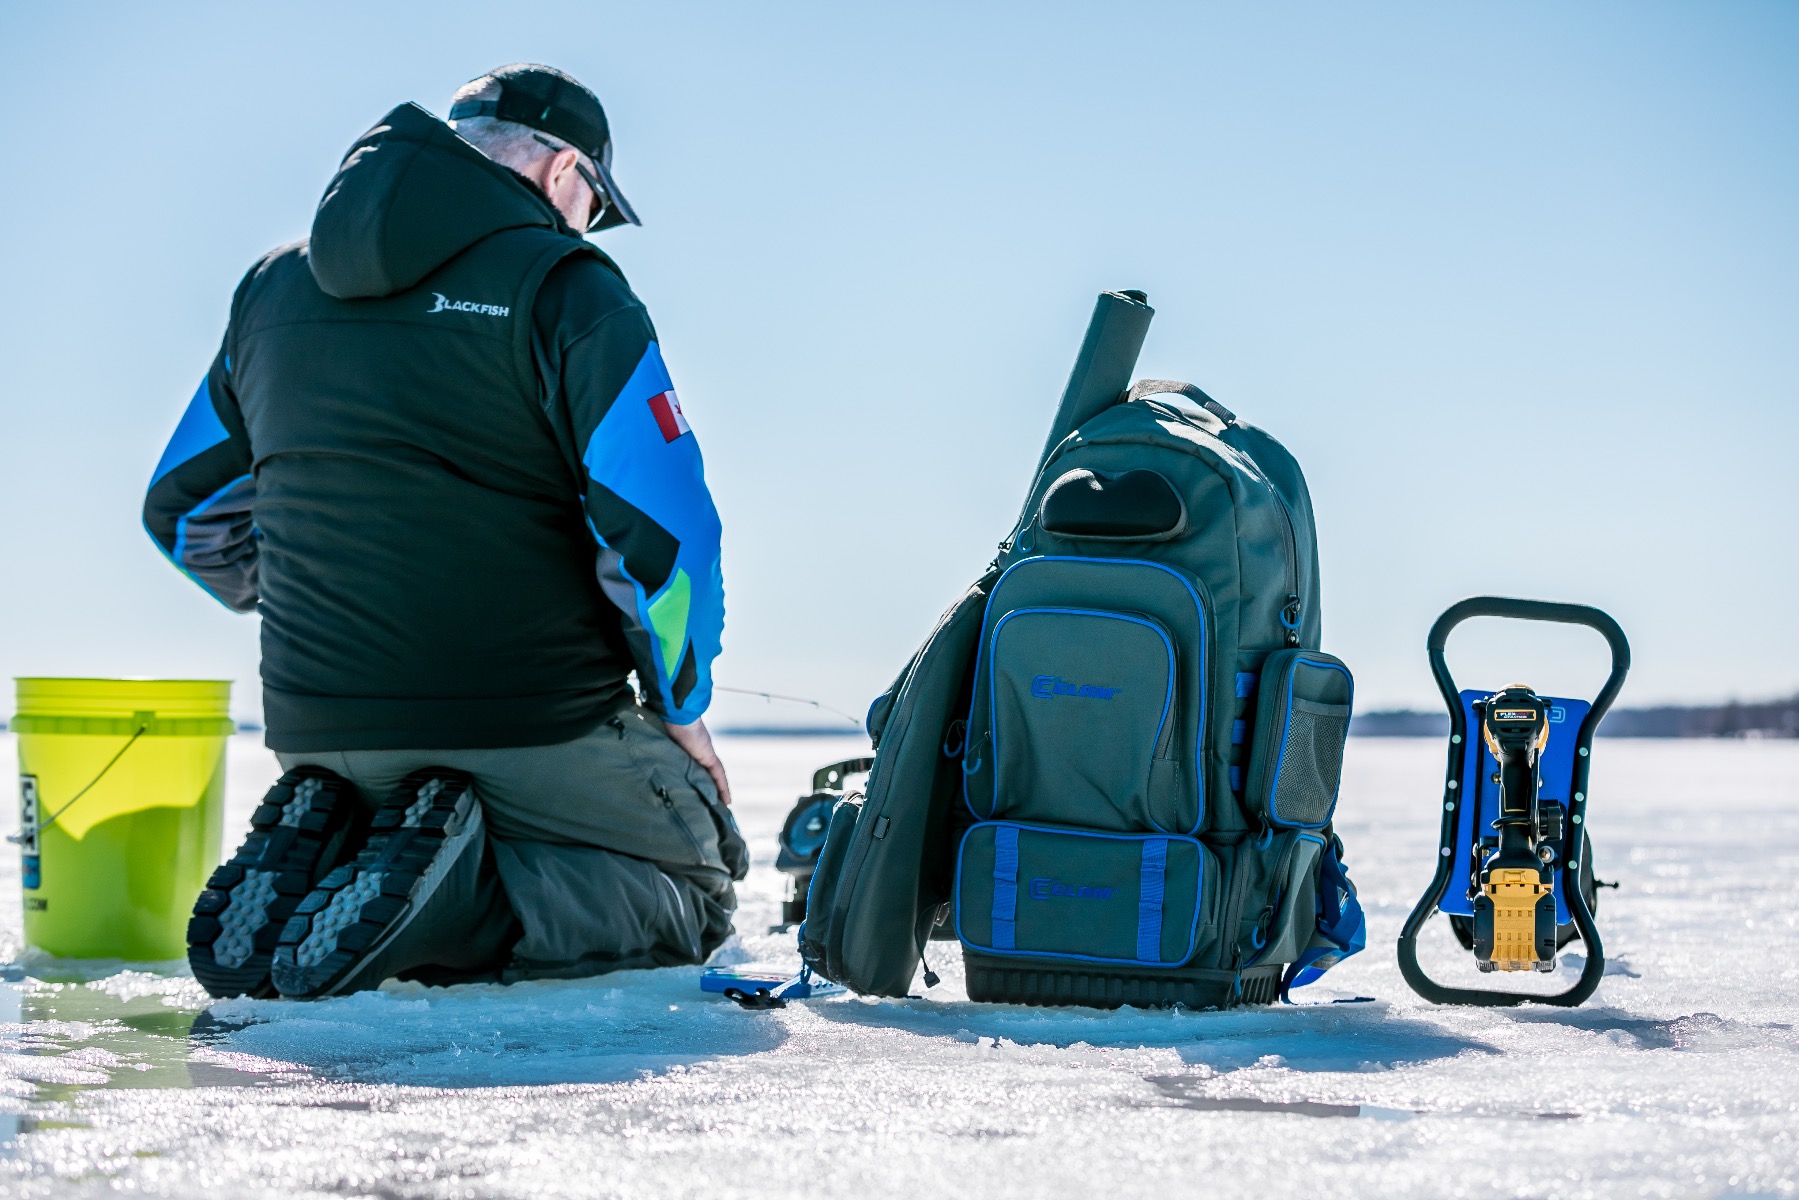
[1522,610]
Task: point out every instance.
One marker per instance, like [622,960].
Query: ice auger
[1514,868]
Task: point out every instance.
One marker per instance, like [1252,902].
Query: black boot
[403,903]
[309,822]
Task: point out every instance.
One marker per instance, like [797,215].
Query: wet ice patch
[551,1032]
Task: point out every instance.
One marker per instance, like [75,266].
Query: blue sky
[1440,250]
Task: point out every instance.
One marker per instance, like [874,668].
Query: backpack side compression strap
[1342,929]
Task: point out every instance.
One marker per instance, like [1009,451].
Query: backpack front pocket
[1081,707]
[1302,721]
[1143,900]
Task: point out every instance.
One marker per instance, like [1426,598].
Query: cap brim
[618,209]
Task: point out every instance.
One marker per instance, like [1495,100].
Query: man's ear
[562,165]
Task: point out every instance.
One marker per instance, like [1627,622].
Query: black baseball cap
[554,102]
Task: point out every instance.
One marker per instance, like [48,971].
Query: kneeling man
[440,454]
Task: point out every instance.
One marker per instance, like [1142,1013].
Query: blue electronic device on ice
[1480,778]
[1514,863]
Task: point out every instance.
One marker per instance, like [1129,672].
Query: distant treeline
[1769,719]
[1773,718]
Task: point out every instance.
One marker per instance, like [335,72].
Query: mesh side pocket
[1311,763]
[1296,757]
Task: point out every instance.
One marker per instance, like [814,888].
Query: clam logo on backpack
[1054,889]
[1046,687]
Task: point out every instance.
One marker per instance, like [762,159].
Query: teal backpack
[1110,770]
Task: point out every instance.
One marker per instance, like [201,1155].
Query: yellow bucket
[121,803]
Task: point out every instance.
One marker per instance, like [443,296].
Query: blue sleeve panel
[200,506]
[650,511]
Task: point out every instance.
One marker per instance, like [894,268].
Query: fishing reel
[803,833]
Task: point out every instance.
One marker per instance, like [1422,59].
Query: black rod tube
[1102,370]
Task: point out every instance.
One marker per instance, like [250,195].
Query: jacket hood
[409,196]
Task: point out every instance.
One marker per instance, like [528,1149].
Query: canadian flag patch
[668,415]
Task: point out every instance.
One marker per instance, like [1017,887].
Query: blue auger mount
[1514,867]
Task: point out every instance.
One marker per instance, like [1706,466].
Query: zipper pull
[1264,927]
[930,977]
[1290,620]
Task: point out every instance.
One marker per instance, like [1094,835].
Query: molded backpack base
[1011,980]
[1015,981]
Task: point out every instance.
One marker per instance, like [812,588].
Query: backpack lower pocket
[815,935]
[1043,892]
[1302,722]
[1289,916]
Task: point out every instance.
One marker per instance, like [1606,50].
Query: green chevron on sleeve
[668,619]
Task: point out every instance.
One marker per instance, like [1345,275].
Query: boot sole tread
[361,903]
[234,928]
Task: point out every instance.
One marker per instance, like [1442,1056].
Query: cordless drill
[1514,913]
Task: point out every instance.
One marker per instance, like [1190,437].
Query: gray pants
[607,852]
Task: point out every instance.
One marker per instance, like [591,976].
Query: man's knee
[586,911]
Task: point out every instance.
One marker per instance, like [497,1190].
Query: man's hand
[697,741]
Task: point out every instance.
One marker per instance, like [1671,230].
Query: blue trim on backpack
[993,692]
[1005,887]
[1199,608]
[1151,896]
[1287,724]
[1246,684]
[1000,827]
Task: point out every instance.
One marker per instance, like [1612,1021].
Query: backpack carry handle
[1145,388]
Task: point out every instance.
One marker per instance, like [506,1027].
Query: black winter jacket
[440,454]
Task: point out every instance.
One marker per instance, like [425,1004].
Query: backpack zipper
[1290,612]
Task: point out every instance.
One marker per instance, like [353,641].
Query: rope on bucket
[20,837]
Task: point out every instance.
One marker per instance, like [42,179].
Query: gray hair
[506,142]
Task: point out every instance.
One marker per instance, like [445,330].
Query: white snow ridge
[1679,1078]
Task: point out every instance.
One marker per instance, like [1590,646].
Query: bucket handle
[143,728]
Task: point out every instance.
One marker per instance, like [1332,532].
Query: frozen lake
[1680,1078]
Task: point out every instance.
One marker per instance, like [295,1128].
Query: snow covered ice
[1681,1077]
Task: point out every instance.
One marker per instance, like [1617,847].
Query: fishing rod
[818,704]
